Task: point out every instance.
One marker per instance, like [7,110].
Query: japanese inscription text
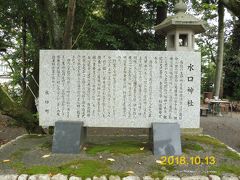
[119,88]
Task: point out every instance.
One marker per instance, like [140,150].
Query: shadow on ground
[105,155]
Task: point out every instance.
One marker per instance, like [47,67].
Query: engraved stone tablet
[119,88]
[166,139]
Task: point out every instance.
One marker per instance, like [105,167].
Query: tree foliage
[30,25]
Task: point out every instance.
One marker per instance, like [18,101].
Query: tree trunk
[22,115]
[29,99]
[233,6]
[39,31]
[53,20]
[219,69]
[161,15]
[67,37]
[24,56]
[236,37]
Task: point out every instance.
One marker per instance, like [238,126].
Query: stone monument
[137,89]
[180,30]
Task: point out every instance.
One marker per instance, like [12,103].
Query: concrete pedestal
[166,139]
[68,137]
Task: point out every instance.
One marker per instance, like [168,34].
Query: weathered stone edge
[12,141]
[131,177]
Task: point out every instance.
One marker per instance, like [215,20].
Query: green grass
[225,168]
[82,168]
[116,148]
[17,155]
[46,145]
[38,170]
[192,146]
[204,140]
[158,174]
[33,136]
[159,171]
[232,155]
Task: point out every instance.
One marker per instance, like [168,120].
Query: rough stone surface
[23,177]
[75,178]
[165,143]
[100,178]
[59,177]
[229,177]
[214,177]
[143,71]
[148,178]
[8,177]
[195,178]
[171,178]
[40,177]
[131,178]
[68,137]
[64,177]
[114,177]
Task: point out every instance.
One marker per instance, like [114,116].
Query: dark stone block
[203,111]
[68,137]
[166,139]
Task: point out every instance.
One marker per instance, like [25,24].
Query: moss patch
[204,140]
[191,146]
[46,145]
[34,136]
[202,146]
[158,174]
[226,168]
[17,155]
[159,171]
[117,148]
[232,155]
[82,168]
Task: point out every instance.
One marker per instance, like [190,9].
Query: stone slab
[195,178]
[68,137]
[59,177]
[229,177]
[23,177]
[166,139]
[75,178]
[147,178]
[119,88]
[9,177]
[39,177]
[131,178]
[214,177]
[171,178]
[111,177]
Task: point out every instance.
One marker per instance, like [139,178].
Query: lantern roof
[180,20]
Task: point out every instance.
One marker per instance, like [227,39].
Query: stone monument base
[166,139]
[191,131]
[68,137]
[109,131]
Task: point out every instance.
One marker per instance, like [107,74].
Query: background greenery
[30,25]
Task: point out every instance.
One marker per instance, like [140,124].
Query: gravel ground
[30,150]
[8,130]
[225,128]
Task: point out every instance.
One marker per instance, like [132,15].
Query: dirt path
[226,129]
[8,130]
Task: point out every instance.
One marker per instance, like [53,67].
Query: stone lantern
[180,29]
